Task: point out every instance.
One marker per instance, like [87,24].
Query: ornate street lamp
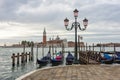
[66,22]
[76,25]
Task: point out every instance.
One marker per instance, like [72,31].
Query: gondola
[69,59]
[45,60]
[117,57]
[106,58]
[57,59]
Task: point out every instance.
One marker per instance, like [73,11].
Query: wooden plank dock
[76,72]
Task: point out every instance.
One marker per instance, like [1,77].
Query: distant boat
[69,59]
[106,58]
[45,60]
[57,59]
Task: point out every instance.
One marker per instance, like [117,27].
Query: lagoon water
[9,73]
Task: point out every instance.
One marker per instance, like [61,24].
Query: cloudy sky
[26,20]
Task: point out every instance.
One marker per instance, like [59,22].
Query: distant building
[17,45]
[72,44]
[109,44]
[57,42]
[5,45]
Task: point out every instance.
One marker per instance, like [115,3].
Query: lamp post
[76,25]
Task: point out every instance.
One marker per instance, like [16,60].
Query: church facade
[57,42]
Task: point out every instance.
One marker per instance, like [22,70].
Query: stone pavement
[77,72]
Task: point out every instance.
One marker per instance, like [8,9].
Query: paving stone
[77,72]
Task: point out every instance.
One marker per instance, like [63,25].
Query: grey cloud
[95,11]
[8,9]
[104,13]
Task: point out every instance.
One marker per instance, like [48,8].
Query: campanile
[44,36]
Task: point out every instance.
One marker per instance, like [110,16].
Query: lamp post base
[76,62]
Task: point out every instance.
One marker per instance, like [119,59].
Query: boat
[106,58]
[57,59]
[69,59]
[117,57]
[45,60]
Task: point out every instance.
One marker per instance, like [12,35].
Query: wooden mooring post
[86,46]
[13,59]
[23,58]
[32,56]
[36,54]
[18,58]
[93,47]
[26,57]
[63,48]
[90,56]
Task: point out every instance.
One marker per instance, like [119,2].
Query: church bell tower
[44,36]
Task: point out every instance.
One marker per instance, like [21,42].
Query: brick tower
[44,36]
